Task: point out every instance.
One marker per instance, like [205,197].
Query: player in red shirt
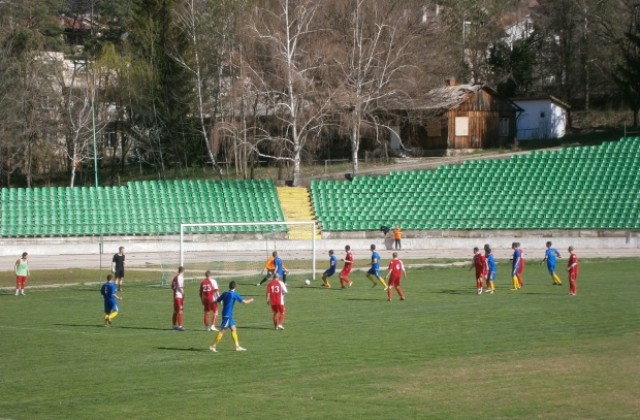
[177,286]
[572,268]
[480,264]
[395,274]
[208,294]
[345,281]
[276,290]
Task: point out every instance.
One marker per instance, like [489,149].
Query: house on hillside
[543,117]
[456,118]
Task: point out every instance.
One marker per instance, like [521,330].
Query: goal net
[239,251]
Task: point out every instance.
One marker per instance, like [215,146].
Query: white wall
[541,119]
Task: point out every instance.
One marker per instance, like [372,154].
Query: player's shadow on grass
[355,299]
[113,326]
[81,325]
[183,349]
[453,292]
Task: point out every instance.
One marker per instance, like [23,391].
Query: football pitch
[445,352]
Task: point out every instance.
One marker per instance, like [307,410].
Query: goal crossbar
[311,225]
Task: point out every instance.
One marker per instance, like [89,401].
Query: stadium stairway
[296,207]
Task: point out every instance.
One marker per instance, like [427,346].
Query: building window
[503,130]
[542,114]
[462,126]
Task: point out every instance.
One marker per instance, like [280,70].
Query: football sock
[514,280]
[234,336]
[382,282]
[112,315]
[275,320]
[400,292]
[370,277]
[206,319]
[556,279]
[218,338]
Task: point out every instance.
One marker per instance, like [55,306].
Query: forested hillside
[91,90]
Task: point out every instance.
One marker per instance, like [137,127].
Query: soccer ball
[307,282]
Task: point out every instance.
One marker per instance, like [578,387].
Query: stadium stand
[138,208]
[593,187]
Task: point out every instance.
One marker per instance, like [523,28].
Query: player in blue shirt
[374,272]
[281,270]
[228,299]
[108,292]
[491,263]
[515,265]
[333,263]
[550,256]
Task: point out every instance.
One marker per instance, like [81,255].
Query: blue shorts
[110,305]
[491,275]
[227,322]
[374,272]
[551,268]
[330,271]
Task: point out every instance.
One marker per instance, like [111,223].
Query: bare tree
[189,21]
[376,59]
[283,75]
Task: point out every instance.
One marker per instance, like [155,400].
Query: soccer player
[208,294]
[515,266]
[395,274]
[177,285]
[480,264]
[397,237]
[491,267]
[520,265]
[117,267]
[270,267]
[108,292]
[22,273]
[281,270]
[374,272]
[345,281]
[228,299]
[572,268]
[550,256]
[276,290]
[333,262]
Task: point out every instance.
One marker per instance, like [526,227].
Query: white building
[544,117]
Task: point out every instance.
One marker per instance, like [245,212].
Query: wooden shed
[458,117]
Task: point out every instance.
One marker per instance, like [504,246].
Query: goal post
[241,248]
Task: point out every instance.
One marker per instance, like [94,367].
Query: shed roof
[445,97]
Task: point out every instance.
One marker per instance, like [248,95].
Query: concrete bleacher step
[296,207]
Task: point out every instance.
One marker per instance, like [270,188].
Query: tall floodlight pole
[93,102]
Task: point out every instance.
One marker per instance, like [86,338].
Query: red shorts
[346,271]
[394,281]
[177,304]
[21,279]
[210,306]
[277,309]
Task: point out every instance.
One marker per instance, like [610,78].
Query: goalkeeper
[270,267]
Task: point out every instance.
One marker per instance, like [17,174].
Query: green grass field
[443,353]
